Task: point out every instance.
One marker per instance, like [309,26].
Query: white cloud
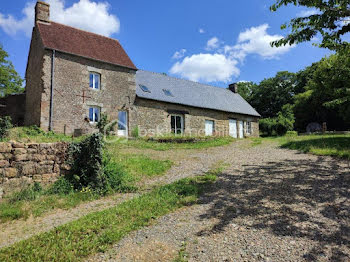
[256,40]
[223,64]
[85,14]
[213,43]
[179,54]
[206,67]
[305,13]
[201,31]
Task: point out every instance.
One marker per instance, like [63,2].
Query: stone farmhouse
[74,76]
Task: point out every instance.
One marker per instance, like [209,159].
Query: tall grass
[96,232]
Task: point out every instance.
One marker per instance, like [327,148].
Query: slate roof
[82,43]
[191,93]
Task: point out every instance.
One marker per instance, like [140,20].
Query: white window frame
[249,127]
[182,123]
[94,75]
[94,108]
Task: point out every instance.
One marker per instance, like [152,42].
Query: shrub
[62,187]
[104,125]
[33,131]
[85,159]
[279,125]
[292,133]
[5,125]
[135,132]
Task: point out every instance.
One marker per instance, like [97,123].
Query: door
[122,123]
[233,128]
[241,135]
[177,124]
[209,127]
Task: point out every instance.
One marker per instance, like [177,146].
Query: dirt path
[270,204]
[187,163]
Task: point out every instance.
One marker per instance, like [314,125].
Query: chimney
[233,87]
[42,12]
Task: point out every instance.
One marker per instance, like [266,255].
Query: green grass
[12,210]
[36,135]
[97,231]
[324,145]
[140,166]
[136,167]
[145,144]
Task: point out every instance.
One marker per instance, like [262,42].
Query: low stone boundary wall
[22,164]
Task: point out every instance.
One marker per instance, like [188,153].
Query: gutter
[52,88]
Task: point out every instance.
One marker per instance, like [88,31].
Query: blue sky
[214,42]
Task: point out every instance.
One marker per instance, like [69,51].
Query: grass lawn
[36,135]
[136,166]
[144,144]
[323,145]
[96,232]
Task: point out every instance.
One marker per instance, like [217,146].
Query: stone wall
[13,106]
[22,164]
[150,115]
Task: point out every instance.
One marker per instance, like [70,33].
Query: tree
[327,94]
[331,20]
[273,93]
[245,89]
[10,81]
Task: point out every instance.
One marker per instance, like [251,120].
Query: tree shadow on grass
[337,146]
[298,198]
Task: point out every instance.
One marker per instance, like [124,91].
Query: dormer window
[167,92]
[95,81]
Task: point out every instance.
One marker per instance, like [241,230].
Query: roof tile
[82,43]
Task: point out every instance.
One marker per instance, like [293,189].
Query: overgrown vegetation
[105,126]
[145,143]
[116,173]
[279,125]
[98,231]
[5,125]
[36,135]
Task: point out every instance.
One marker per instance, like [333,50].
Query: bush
[279,125]
[92,168]
[33,131]
[104,125]
[5,125]
[61,187]
[85,159]
[292,133]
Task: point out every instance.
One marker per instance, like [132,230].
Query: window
[167,92]
[94,114]
[145,89]
[249,127]
[122,123]
[95,80]
[177,124]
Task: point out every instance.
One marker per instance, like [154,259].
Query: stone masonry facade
[153,117]
[72,95]
[22,164]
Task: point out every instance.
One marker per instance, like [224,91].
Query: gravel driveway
[270,204]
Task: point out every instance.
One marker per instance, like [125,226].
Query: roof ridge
[85,31]
[178,78]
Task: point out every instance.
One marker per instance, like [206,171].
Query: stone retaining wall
[22,164]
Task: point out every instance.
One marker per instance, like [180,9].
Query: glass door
[122,123]
[177,124]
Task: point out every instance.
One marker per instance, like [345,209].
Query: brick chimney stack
[233,87]
[42,12]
